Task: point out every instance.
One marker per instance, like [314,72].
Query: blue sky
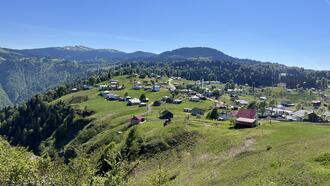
[291,32]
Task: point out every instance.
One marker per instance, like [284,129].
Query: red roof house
[246,117]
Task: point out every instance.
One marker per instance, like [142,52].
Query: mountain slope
[82,53]
[195,52]
[202,52]
[21,76]
[26,72]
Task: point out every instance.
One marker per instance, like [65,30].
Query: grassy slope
[240,157]
[216,154]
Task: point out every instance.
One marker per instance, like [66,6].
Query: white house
[137,87]
[194,98]
[112,97]
[155,88]
[242,102]
[134,101]
[103,87]
[105,93]
[177,101]
[300,115]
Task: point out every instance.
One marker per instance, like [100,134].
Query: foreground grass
[277,154]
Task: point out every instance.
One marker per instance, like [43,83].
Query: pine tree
[214,114]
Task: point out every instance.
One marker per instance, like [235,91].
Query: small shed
[300,115]
[142,104]
[242,102]
[87,87]
[127,98]
[194,98]
[155,88]
[220,105]
[103,87]
[224,117]
[74,90]
[157,103]
[166,115]
[177,101]
[112,97]
[187,110]
[313,117]
[316,103]
[197,111]
[137,87]
[134,101]
[137,120]
[165,98]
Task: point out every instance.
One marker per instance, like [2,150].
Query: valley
[24,73]
[165,93]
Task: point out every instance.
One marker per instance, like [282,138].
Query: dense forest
[32,122]
[257,74]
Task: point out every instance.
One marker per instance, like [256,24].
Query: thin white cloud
[48,30]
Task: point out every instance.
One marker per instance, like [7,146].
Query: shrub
[323,159]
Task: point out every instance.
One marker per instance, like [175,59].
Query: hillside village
[177,131]
[236,120]
[165,93]
[244,106]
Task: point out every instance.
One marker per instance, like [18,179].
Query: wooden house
[187,110]
[316,103]
[166,115]
[137,120]
[155,88]
[157,103]
[246,118]
[197,111]
[313,117]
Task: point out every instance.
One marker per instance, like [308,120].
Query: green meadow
[197,151]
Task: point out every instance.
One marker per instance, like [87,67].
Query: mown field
[204,152]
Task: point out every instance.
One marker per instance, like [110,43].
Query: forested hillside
[257,74]
[23,77]
[4,99]
[82,53]
[24,73]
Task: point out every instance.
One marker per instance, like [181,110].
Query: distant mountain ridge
[195,52]
[79,52]
[203,52]
[29,71]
